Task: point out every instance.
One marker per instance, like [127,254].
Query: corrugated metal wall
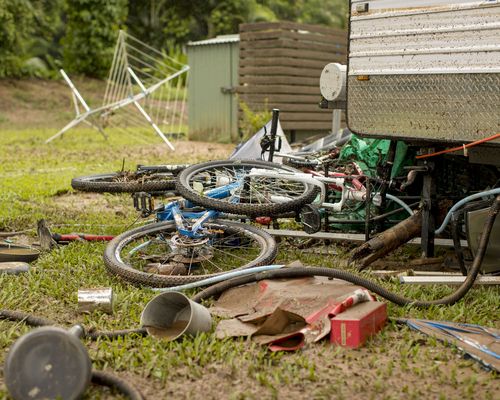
[212,107]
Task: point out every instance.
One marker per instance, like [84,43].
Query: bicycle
[274,192]
[188,244]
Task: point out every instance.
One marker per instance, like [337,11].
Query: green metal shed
[213,76]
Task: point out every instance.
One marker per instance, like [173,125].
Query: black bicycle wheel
[125,182]
[255,196]
[156,255]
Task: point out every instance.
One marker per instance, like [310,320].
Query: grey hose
[296,272]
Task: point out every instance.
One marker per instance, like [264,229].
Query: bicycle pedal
[144,203]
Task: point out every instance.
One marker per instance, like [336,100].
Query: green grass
[35,183]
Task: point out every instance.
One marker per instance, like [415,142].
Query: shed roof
[221,39]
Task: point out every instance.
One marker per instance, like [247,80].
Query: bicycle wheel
[156,255]
[125,182]
[255,196]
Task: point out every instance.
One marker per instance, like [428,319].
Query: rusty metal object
[387,241]
[45,236]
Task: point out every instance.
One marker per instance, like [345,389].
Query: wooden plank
[305,117]
[306,126]
[278,70]
[278,98]
[303,37]
[279,79]
[326,57]
[260,106]
[448,280]
[272,89]
[294,26]
[285,62]
[293,44]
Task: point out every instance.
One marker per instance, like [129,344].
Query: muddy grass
[396,364]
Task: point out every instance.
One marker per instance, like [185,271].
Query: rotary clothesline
[139,92]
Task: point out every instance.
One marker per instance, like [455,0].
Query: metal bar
[353,237]
[155,127]
[75,103]
[336,120]
[139,96]
[448,280]
[151,57]
[153,49]
[136,79]
[427,216]
[274,128]
[368,208]
[74,90]
[174,110]
[112,69]
[118,78]
[146,65]
[159,107]
[181,117]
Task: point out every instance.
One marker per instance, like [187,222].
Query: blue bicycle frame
[173,212]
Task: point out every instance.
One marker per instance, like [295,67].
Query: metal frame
[120,90]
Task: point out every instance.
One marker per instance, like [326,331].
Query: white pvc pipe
[219,278]
[400,202]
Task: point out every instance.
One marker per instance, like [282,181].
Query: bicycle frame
[320,182]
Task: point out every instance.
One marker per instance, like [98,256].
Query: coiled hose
[296,272]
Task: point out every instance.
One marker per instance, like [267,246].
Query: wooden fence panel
[280,65]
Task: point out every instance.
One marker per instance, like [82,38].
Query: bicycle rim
[156,255]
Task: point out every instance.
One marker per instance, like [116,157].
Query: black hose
[296,272]
[29,319]
[33,320]
[115,334]
[107,379]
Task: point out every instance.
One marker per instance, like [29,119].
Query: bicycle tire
[305,193]
[126,271]
[111,183]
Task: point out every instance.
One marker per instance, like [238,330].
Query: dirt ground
[34,103]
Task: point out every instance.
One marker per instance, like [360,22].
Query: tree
[91,32]
[16,26]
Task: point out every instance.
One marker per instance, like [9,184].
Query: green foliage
[16,25]
[228,14]
[252,121]
[92,29]
[38,36]
[29,32]
[158,22]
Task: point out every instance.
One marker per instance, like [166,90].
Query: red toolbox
[354,326]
